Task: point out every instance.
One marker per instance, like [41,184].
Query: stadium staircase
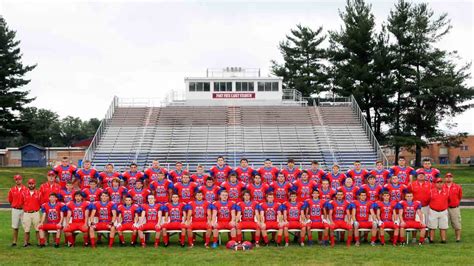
[330,132]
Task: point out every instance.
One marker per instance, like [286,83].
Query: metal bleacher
[329,133]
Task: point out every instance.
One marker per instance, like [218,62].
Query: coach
[15,198]
[454,212]
[438,210]
[31,207]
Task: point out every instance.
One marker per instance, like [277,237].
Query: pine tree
[304,66]
[13,97]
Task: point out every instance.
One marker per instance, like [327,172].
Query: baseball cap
[31,181]
[17,177]
[51,172]
[448,174]
[421,172]
[438,180]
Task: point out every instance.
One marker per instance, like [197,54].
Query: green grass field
[433,254]
[463,175]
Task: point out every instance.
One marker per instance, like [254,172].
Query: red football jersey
[326,194]
[224,210]
[220,173]
[270,211]
[403,173]
[152,173]
[373,192]
[199,179]
[430,174]
[176,175]
[380,176]
[185,191]
[139,196]
[268,175]
[53,212]
[85,176]
[397,192]
[335,180]
[103,211]
[339,209]
[244,174]
[161,190]
[293,210]
[106,178]
[234,189]
[362,210]
[128,213]
[281,191]
[92,195]
[78,211]
[65,173]
[358,176]
[386,210]
[291,175]
[66,196]
[248,210]
[116,194]
[409,209]
[349,192]
[258,192]
[304,189]
[151,212]
[131,178]
[316,175]
[199,210]
[209,193]
[316,209]
[175,211]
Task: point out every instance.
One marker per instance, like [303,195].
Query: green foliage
[303,68]
[12,71]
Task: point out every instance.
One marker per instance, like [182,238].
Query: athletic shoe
[310,242]
[372,244]
[357,244]
[302,244]
[214,245]
[56,245]
[287,245]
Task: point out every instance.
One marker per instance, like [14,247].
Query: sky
[88,51]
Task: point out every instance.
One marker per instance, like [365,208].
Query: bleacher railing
[368,131]
[103,124]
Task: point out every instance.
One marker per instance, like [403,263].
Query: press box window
[244,86]
[268,86]
[199,86]
[222,86]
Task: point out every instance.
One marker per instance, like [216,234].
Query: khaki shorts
[17,216]
[455,217]
[438,220]
[29,219]
[426,213]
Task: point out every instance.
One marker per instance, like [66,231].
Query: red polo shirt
[31,201]
[455,194]
[439,199]
[15,196]
[421,191]
[46,189]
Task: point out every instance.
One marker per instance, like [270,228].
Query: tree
[13,97]
[40,126]
[352,53]
[437,86]
[304,66]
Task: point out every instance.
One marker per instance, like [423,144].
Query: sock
[99,237]
[310,236]
[142,240]
[181,239]
[278,239]
[122,239]
[111,241]
[332,240]
[320,235]
[265,239]
[402,239]
[382,239]
[325,238]
[394,239]
[239,237]
[372,238]
[157,241]
[58,239]
[92,241]
[349,240]
[190,241]
[166,239]
[86,238]
[356,238]
[287,239]
[42,240]
[134,238]
[69,239]
[207,239]
[257,238]
[422,239]
[213,239]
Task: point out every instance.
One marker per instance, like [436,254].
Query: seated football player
[51,219]
[247,215]
[77,219]
[103,216]
[363,217]
[127,217]
[387,217]
[270,218]
[150,217]
[199,218]
[409,209]
[316,216]
[294,217]
[175,214]
[223,217]
[338,210]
